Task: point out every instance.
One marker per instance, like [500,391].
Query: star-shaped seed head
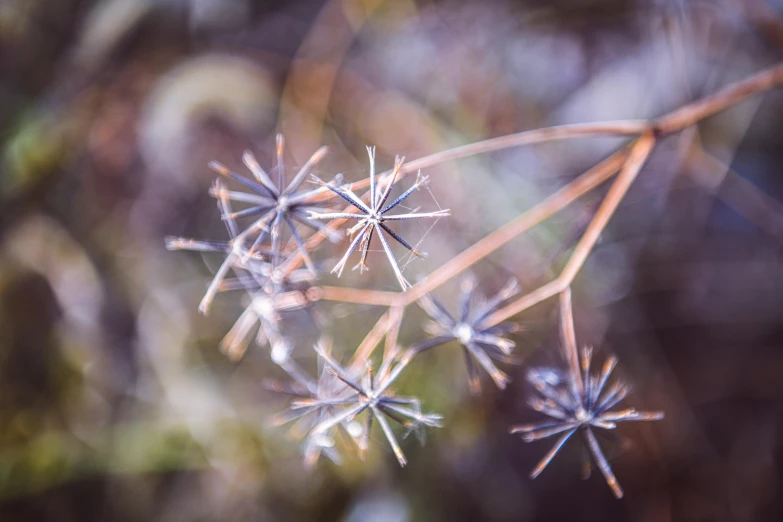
[481,343]
[374,216]
[579,403]
[373,397]
[271,205]
[314,402]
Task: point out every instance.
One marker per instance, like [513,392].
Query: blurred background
[115,402]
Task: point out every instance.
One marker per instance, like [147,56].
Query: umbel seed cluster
[268,257]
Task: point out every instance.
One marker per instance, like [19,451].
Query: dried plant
[315,402]
[578,401]
[373,217]
[479,341]
[372,394]
[575,399]
[274,204]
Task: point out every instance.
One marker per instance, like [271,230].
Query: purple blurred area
[115,402]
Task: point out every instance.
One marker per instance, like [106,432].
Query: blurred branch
[670,123]
[720,180]
[636,159]
[675,121]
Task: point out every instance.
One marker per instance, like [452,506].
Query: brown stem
[568,334]
[546,208]
[372,339]
[693,113]
[639,154]
[355,295]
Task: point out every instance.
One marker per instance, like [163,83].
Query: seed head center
[582,415]
[464,333]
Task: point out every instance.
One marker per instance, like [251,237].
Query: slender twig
[693,113]
[738,193]
[355,295]
[639,154]
[568,334]
[372,339]
[672,122]
[546,208]
[636,159]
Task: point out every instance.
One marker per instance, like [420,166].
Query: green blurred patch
[35,148]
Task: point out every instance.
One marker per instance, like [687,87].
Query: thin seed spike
[261,225]
[335,215]
[280,149]
[615,395]
[400,198]
[364,444]
[609,365]
[437,311]
[474,382]
[357,226]
[235,342]
[195,245]
[373,196]
[602,464]
[300,244]
[224,171]
[395,373]
[586,465]
[546,407]
[365,247]
[212,290]
[504,345]
[401,241]
[426,344]
[632,415]
[324,354]
[398,161]
[245,212]
[401,217]
[341,265]
[305,170]
[224,207]
[275,233]
[432,421]
[349,197]
[387,431]
[551,454]
[587,354]
[344,415]
[467,286]
[404,284]
[531,426]
[260,174]
[548,432]
[241,197]
[500,378]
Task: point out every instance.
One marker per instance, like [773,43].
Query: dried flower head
[373,217]
[579,403]
[314,402]
[372,395]
[480,342]
[272,205]
[237,256]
